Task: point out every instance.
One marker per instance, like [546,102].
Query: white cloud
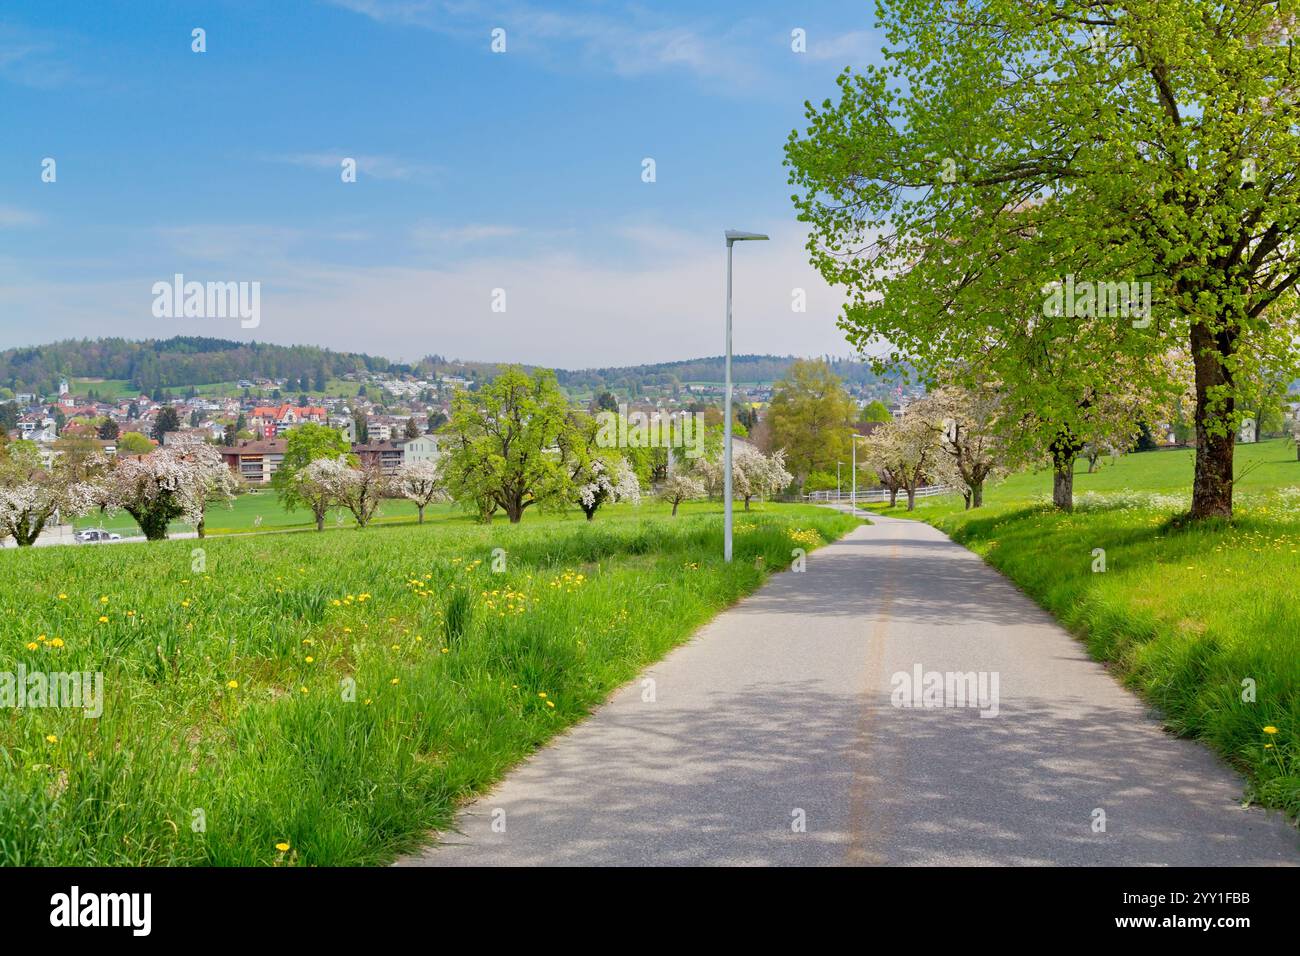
[11,217]
[368,165]
[429,234]
[629,41]
[664,301]
[847,48]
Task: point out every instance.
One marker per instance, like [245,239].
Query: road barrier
[877,495]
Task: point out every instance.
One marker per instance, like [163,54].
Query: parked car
[96,536]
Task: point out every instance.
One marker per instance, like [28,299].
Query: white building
[424,448]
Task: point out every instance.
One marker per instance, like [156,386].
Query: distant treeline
[194,360]
[745,369]
[174,362]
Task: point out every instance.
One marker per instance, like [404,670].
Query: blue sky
[477,170]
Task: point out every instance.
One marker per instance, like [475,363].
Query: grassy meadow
[1193,617]
[326,699]
[261,511]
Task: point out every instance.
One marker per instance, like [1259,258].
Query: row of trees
[1140,148]
[172,482]
[511,445]
[952,436]
[515,444]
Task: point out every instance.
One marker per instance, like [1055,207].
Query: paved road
[783,704]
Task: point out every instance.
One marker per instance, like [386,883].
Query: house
[254,461]
[387,455]
[424,448]
[272,420]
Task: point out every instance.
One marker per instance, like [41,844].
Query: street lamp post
[838,464]
[732,237]
[854,497]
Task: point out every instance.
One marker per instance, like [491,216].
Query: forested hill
[168,363]
[745,369]
[193,360]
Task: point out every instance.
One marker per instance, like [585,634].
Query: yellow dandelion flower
[310,659]
[1270,729]
[395,680]
[232,684]
[282,847]
[102,619]
[63,597]
[57,642]
[51,739]
[32,645]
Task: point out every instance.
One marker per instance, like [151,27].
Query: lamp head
[735,235]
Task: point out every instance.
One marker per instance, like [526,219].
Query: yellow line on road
[865,817]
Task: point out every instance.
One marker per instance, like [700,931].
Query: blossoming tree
[421,481]
[31,494]
[170,483]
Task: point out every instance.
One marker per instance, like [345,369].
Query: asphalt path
[776,737]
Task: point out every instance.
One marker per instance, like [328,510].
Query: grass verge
[1202,619]
[326,699]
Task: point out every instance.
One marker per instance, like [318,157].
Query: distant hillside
[174,362]
[191,360]
[745,369]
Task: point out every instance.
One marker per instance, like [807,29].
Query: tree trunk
[1212,485]
[514,511]
[151,523]
[27,530]
[911,498]
[893,497]
[1063,486]
[746,502]
[1064,448]
[966,498]
[676,503]
[977,495]
[320,521]
[202,528]
[420,508]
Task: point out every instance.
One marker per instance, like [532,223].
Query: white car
[96,536]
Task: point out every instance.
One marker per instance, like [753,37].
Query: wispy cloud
[368,165]
[431,234]
[846,48]
[11,217]
[630,41]
[32,59]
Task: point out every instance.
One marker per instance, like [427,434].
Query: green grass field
[1195,618]
[261,511]
[318,699]
[110,389]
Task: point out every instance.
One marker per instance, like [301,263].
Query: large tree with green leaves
[304,444]
[1006,145]
[811,416]
[505,444]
